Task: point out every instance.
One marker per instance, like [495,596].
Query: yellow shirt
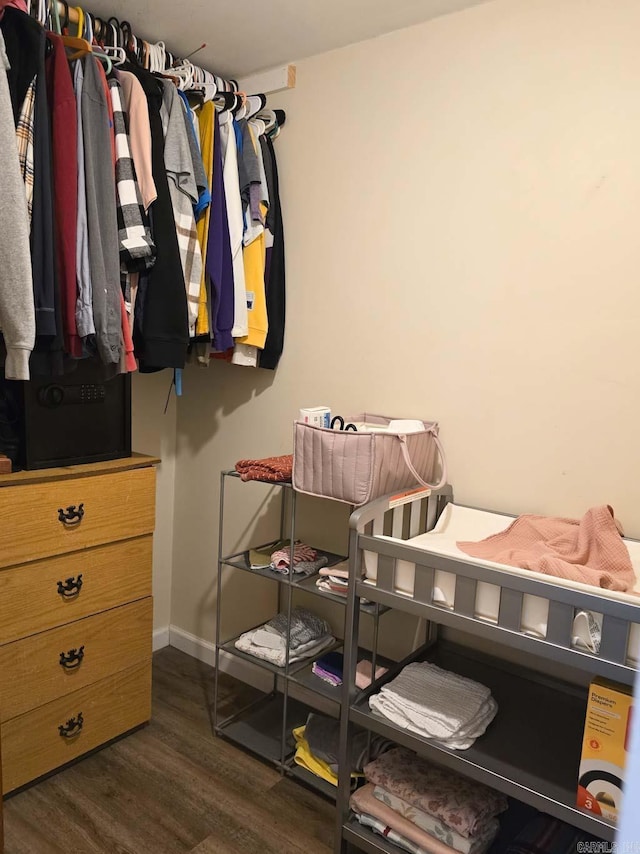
[254,256]
[205,122]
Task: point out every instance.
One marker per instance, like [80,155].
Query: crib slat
[615,636]
[398,516]
[423,584]
[560,623]
[510,611]
[414,523]
[378,525]
[465,596]
[386,573]
[432,510]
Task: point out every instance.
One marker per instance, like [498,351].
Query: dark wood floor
[171,788]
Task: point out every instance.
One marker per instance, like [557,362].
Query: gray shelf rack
[532,749]
[264,727]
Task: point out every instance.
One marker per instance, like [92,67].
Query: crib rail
[619,647]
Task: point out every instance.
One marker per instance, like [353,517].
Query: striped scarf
[24,138]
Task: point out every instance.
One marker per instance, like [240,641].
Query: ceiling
[244,36]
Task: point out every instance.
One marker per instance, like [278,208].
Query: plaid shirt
[24,138]
[190,252]
[137,249]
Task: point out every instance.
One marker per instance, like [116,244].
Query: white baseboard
[205,651]
[160,638]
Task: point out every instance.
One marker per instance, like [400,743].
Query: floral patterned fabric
[364,804]
[460,803]
[434,827]
[383,829]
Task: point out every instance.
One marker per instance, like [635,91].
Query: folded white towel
[437,704]
[265,636]
[278,656]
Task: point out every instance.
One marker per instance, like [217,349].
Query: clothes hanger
[114,34]
[241,109]
[255,103]
[91,37]
[54,17]
[207,89]
[269,119]
[65,19]
[116,54]
[77,43]
[226,101]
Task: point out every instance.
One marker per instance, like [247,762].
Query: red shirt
[64,145]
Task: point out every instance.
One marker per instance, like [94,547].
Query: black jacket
[162,327]
[275,284]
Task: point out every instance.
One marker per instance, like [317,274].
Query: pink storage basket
[357,467]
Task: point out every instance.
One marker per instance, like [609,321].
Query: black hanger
[115,34]
[228,100]
[98,26]
[64,23]
[281,117]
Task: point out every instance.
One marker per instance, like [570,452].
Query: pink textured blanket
[589,550]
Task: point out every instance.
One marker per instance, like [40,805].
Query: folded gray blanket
[323,737]
[305,627]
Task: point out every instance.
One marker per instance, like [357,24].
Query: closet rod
[74,17]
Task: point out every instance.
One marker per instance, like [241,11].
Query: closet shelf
[366,840]
[259,729]
[241,561]
[234,473]
[306,583]
[230,647]
[307,679]
[309,585]
[531,751]
[317,784]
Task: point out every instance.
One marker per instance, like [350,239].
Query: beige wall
[155,433]
[462,204]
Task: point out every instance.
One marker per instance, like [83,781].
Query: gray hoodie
[17,311]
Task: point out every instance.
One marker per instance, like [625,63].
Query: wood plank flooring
[171,788]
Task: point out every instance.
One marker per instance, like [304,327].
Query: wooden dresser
[75,611]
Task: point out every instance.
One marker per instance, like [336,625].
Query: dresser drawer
[52,518]
[33,744]
[41,668]
[38,596]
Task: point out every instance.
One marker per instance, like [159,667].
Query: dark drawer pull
[71,587]
[72,515]
[72,659]
[72,728]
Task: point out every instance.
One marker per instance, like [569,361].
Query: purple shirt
[219,263]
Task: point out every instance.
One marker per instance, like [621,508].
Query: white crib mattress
[458,523]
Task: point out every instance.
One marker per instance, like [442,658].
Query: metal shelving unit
[265,726]
[532,749]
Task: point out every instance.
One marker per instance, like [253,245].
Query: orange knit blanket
[589,550]
[271,469]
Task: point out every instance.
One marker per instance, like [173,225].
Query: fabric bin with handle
[356,467]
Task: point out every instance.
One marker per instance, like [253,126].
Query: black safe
[81,417]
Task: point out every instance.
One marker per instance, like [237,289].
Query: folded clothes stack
[334,579]
[436,704]
[422,808]
[306,560]
[308,635]
[277,556]
[317,746]
[329,668]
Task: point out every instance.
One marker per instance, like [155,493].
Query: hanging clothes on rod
[151,202]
